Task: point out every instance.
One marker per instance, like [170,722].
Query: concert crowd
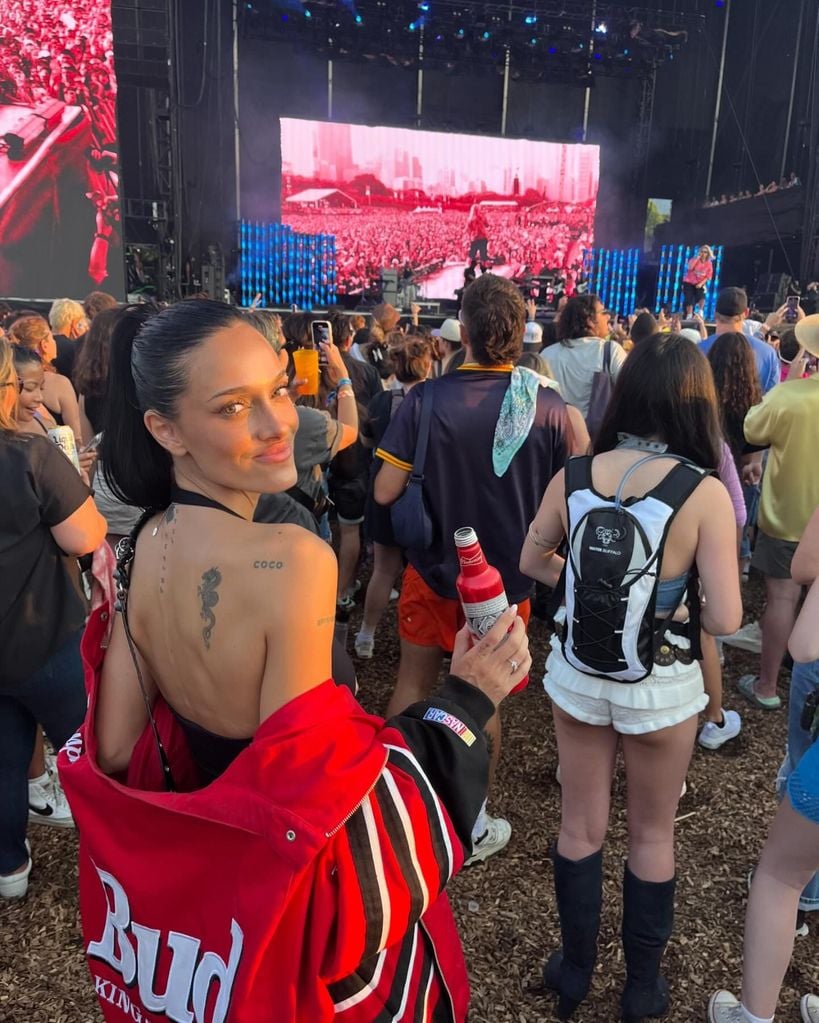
[205,497]
[370,239]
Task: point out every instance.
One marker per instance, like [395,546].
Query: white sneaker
[749,638]
[364,647]
[809,1007]
[496,837]
[47,803]
[725,1008]
[15,886]
[712,735]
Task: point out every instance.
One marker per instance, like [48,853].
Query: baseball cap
[533,335]
[450,330]
[732,302]
[691,334]
[807,334]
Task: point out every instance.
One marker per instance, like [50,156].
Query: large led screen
[59,177]
[431,204]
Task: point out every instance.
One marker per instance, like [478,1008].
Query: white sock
[365,634]
[481,824]
[750,1018]
[42,780]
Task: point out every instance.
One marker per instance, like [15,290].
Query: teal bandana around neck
[517,415]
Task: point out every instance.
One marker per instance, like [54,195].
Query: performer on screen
[699,272]
[478,241]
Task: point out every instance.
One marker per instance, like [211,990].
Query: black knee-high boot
[648,919]
[579,892]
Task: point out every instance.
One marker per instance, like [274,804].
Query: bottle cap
[465,537]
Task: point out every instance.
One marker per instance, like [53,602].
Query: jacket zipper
[357,807]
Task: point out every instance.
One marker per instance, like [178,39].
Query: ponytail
[136,468]
[148,370]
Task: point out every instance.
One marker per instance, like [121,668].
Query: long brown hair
[90,376]
[737,382]
[666,390]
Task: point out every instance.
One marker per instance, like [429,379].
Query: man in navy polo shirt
[466,485]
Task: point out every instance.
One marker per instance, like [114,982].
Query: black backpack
[612,571]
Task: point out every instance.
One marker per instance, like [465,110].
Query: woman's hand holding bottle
[498,661]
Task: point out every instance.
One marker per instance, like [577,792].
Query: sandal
[747,688]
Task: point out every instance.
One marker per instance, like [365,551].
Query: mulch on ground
[505,907]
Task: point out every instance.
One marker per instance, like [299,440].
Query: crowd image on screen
[61,51]
[369,239]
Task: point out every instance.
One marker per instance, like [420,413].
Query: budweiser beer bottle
[480,588]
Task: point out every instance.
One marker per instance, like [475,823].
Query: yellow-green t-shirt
[787,420]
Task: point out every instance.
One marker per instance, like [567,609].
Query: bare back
[232,619]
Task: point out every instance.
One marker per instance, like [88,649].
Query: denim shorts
[804,679]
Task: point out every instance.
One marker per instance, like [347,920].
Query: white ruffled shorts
[669,696]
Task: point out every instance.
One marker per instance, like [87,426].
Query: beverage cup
[306,365]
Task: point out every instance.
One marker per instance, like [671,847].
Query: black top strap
[422,442]
[180,496]
[607,357]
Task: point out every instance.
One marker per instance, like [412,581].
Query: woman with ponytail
[265,841]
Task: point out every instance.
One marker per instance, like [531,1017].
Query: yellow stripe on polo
[392,460]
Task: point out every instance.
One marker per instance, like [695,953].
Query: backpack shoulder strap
[678,485]
[423,432]
[578,473]
[607,357]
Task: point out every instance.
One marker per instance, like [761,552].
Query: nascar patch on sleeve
[443,717]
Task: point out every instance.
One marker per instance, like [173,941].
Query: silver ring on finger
[513,665]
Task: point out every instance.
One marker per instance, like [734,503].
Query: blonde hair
[63,313]
[7,376]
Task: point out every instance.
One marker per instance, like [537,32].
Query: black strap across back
[189,497]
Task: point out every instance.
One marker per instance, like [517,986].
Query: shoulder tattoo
[208,599]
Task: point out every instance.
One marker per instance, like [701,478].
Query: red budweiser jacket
[304,884]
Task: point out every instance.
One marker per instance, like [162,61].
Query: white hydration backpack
[615,553]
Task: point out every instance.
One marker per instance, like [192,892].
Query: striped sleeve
[409,836]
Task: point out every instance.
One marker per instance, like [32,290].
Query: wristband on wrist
[344,382]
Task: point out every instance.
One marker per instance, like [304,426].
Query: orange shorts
[426,619]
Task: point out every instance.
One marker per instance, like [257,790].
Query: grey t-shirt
[574,364]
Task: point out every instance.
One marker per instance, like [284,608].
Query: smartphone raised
[321,331]
[791,309]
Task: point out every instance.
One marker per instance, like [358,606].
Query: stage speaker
[771,291]
[213,273]
[389,287]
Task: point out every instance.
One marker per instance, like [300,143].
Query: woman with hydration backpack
[649,528]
